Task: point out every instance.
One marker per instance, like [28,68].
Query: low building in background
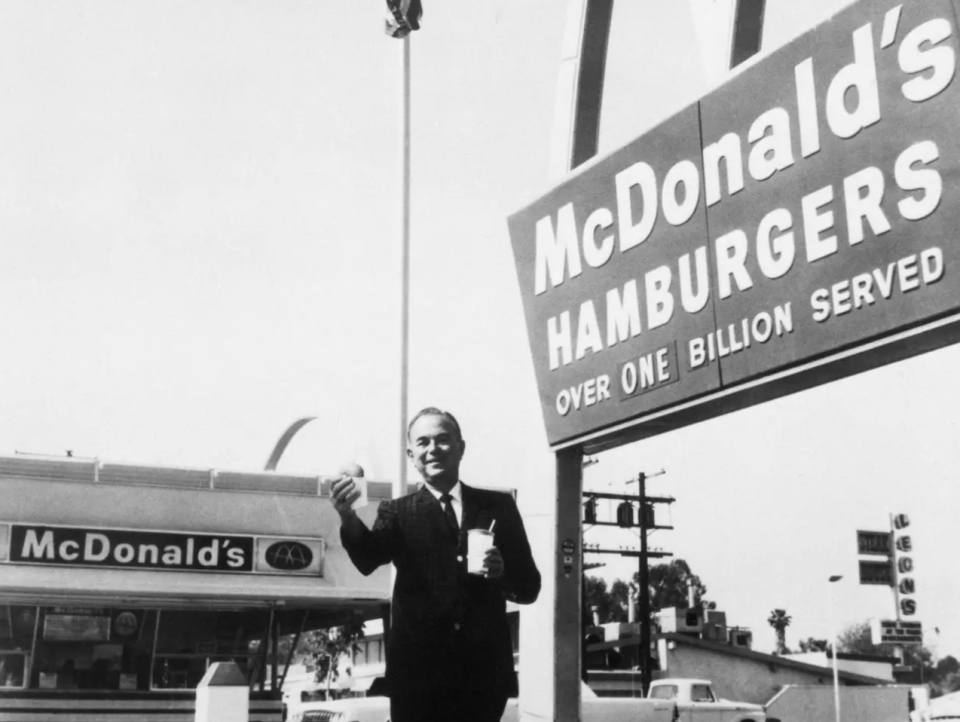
[870,665]
[695,642]
[736,672]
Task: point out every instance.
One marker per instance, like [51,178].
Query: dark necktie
[448,512]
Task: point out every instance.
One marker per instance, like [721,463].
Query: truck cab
[595,709]
[697,702]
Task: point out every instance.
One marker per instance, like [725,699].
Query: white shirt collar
[456,492]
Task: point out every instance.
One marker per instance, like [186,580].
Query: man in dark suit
[449,655]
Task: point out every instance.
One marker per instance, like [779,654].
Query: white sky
[199,206]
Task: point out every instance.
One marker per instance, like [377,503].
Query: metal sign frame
[843,345]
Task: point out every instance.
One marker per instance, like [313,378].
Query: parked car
[611,709]
[355,709]
[595,709]
[669,700]
[697,702]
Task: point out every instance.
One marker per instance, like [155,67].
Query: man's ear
[463,447]
[409,453]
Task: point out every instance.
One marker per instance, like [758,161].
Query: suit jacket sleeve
[371,548]
[521,578]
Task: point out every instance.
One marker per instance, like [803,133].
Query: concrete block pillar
[223,695]
[550,628]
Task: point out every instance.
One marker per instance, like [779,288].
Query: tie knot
[446,498]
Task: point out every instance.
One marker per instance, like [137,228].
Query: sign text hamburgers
[809,205]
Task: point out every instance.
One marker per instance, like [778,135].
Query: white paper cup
[361,485]
[478,541]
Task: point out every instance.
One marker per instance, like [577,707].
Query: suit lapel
[469,501]
[476,512]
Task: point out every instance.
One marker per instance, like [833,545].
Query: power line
[645,520]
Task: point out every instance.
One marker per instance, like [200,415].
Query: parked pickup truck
[696,702]
[669,700]
[595,709]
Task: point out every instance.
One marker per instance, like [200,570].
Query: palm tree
[780,620]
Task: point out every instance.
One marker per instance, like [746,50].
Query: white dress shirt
[456,500]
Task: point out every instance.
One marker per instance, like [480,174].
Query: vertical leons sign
[809,205]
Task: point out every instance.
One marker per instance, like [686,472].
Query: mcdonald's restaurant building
[121,584]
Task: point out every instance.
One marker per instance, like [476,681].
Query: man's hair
[434,411]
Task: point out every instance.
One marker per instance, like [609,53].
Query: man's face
[436,449]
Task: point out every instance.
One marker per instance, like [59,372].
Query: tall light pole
[833,633]
[400,483]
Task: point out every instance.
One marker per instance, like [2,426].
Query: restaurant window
[17,626]
[369,651]
[188,642]
[364,653]
[87,648]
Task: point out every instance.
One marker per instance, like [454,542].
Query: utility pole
[643,579]
[646,522]
[644,591]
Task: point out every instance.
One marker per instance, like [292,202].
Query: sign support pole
[575,139]
[899,651]
[894,573]
[569,581]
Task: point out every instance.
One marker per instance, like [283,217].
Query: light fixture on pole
[833,634]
